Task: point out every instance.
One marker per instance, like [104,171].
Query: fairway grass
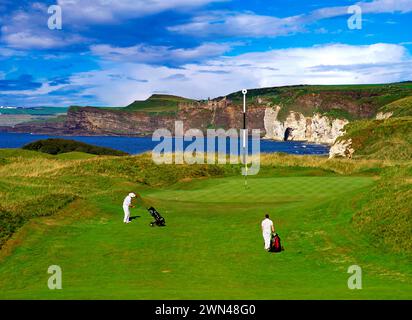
[211,248]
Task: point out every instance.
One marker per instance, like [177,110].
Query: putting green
[212,247]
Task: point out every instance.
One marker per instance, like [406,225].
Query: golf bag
[275,245]
[159,220]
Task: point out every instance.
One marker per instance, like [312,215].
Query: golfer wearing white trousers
[267,229]
[127,203]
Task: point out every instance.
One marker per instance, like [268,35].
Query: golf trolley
[159,220]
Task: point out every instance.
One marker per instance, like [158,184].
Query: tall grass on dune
[385,212]
[381,139]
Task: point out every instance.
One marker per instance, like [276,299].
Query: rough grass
[381,139]
[17,214]
[75,155]
[384,139]
[385,212]
[399,108]
[340,166]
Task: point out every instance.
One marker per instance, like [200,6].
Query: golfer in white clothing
[127,203]
[267,229]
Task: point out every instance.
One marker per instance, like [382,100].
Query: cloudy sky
[112,52]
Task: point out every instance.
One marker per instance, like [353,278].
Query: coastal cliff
[213,115]
[316,128]
[203,116]
[316,114]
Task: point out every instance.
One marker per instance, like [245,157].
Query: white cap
[132,195]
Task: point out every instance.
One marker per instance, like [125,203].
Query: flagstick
[245,136]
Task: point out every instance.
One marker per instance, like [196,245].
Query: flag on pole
[245,135]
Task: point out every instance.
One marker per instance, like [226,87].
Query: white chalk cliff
[341,149]
[383,115]
[317,128]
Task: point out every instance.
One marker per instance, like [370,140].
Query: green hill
[59,146]
[157,103]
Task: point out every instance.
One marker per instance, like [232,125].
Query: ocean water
[136,145]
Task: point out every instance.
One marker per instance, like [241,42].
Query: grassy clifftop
[158,103]
[381,139]
[399,108]
[287,91]
[343,101]
[386,138]
[338,101]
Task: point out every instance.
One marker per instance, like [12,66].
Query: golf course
[66,210]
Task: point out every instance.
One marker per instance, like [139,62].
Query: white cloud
[29,30]
[329,64]
[159,54]
[382,6]
[120,83]
[26,28]
[7,53]
[376,6]
[30,40]
[249,24]
[239,24]
[99,11]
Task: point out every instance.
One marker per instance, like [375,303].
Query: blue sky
[110,53]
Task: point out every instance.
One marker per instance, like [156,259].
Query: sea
[136,145]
